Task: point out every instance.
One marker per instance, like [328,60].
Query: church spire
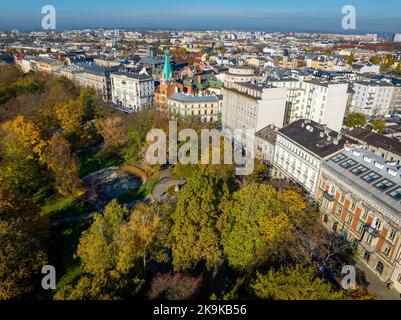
[167,75]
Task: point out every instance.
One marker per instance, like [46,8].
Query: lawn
[58,207]
[65,239]
[141,192]
[96,160]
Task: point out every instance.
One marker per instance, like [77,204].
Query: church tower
[167,74]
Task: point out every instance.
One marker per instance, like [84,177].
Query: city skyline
[285,16]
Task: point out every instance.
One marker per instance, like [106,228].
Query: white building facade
[252,107]
[319,101]
[300,149]
[207,108]
[132,91]
[372,98]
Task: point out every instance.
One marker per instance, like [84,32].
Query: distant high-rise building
[397,37]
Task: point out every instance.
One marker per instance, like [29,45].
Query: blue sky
[267,15]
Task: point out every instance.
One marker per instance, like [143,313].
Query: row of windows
[368,176]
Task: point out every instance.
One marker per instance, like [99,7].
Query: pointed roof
[167,74]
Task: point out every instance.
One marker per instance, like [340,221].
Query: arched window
[379,267]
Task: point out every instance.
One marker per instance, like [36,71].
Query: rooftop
[187,98]
[370,174]
[374,139]
[314,137]
[136,76]
[268,134]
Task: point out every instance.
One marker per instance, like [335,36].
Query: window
[359,170]
[384,185]
[392,235]
[325,218]
[348,163]
[365,214]
[371,177]
[361,227]
[369,239]
[395,194]
[399,278]
[366,256]
[379,267]
[349,218]
[335,225]
[338,158]
[387,250]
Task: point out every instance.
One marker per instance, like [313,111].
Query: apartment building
[207,108]
[265,142]
[300,149]
[395,105]
[253,107]
[385,147]
[95,77]
[360,198]
[132,91]
[372,98]
[320,101]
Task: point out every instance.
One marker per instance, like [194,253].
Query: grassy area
[58,207]
[141,192]
[65,239]
[97,160]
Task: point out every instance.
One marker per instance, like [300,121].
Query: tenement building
[132,91]
[300,149]
[206,108]
[360,198]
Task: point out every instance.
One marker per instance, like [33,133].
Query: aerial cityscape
[198,151]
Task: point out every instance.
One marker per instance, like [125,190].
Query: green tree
[138,125]
[378,125]
[351,58]
[256,222]
[355,119]
[194,235]
[293,283]
[377,60]
[88,101]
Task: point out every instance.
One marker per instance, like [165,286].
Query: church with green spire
[167,74]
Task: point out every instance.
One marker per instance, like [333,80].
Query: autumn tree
[174,287]
[23,234]
[70,116]
[293,283]
[21,154]
[114,132]
[63,165]
[115,250]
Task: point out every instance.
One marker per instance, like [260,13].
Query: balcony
[329,196]
[373,231]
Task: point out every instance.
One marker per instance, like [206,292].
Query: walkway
[376,286]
